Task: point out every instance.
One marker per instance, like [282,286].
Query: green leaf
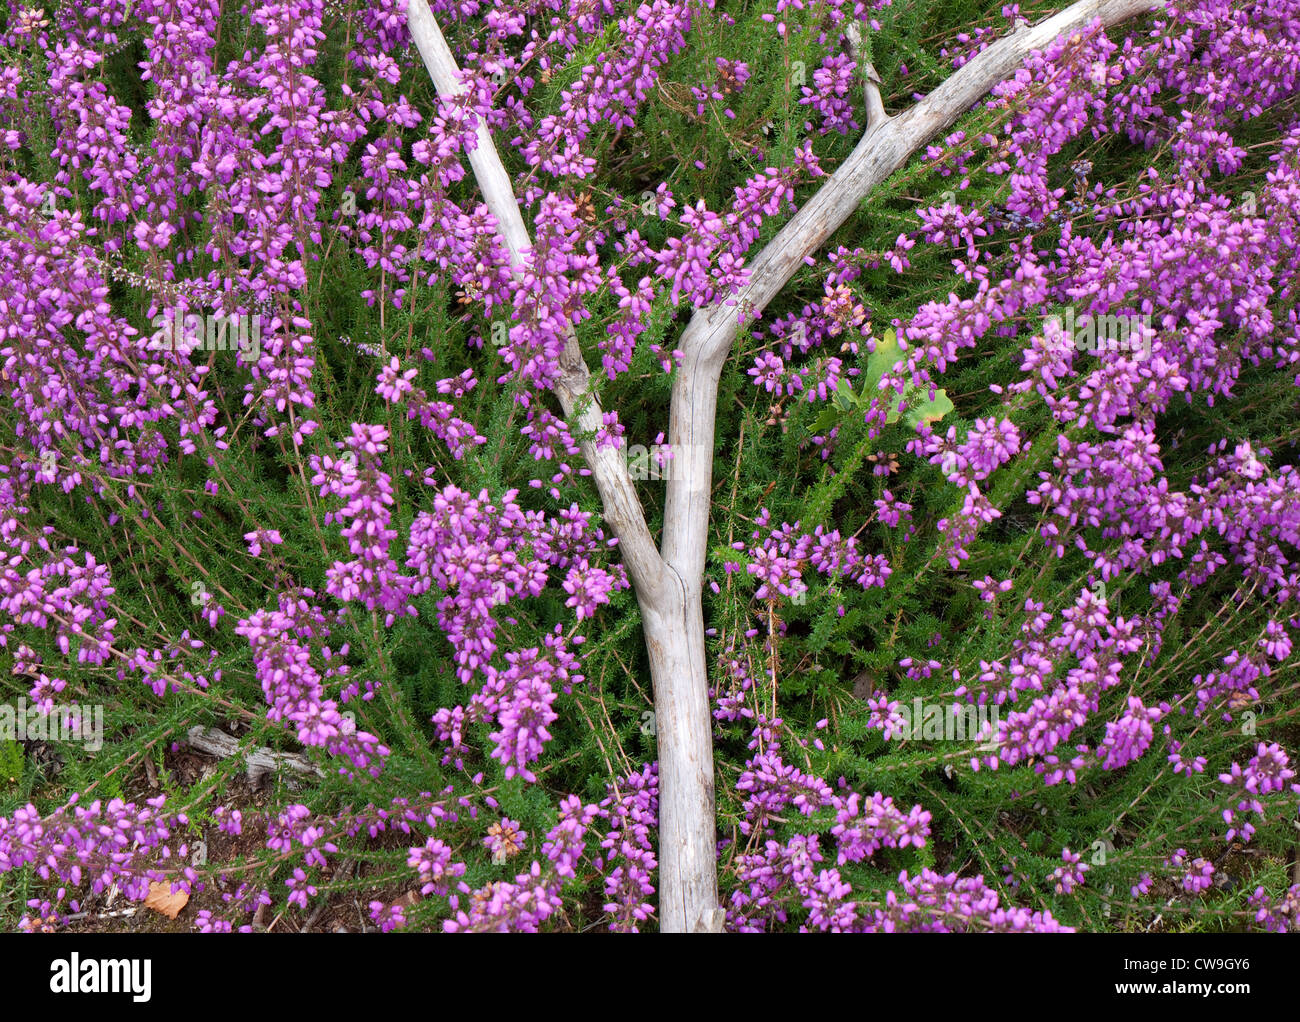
[844,399]
[922,409]
[882,360]
[879,362]
[826,421]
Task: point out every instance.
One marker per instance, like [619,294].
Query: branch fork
[668,580]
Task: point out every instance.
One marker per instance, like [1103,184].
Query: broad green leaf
[826,421]
[844,398]
[883,358]
[922,409]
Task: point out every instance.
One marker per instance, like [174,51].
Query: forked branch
[668,582]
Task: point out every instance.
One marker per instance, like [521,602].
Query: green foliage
[1006,824]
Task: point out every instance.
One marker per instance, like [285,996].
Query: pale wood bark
[670,610]
[669,581]
[887,145]
[259,761]
[608,466]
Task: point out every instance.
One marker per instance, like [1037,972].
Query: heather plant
[549,440]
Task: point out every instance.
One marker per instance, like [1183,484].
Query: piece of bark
[260,762]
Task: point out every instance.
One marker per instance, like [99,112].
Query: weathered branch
[885,147]
[688,894]
[707,340]
[669,582]
[258,761]
[872,99]
[608,465]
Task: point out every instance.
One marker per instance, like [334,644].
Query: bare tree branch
[669,583]
[886,146]
[875,104]
[707,340]
[688,893]
[260,761]
[608,465]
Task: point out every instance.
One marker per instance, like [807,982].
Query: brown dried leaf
[162,900]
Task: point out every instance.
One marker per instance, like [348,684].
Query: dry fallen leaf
[864,685]
[162,900]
